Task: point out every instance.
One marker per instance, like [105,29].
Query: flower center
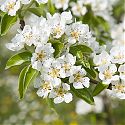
[10,6]
[77,77]
[119,56]
[54,73]
[60,92]
[66,67]
[75,34]
[108,74]
[120,88]
[46,86]
[41,56]
[57,30]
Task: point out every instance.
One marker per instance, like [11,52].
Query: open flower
[77,32]
[60,94]
[108,74]
[57,23]
[78,78]
[102,60]
[51,71]
[61,4]
[67,62]
[44,87]
[16,44]
[118,89]
[11,7]
[42,53]
[121,69]
[117,54]
[78,9]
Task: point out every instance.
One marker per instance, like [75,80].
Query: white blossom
[117,54]
[108,74]
[58,22]
[78,32]
[118,89]
[44,87]
[10,6]
[102,60]
[42,53]
[78,78]
[78,8]
[121,70]
[67,62]
[61,94]
[61,4]
[17,43]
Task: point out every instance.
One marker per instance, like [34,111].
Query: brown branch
[22,24]
[96,82]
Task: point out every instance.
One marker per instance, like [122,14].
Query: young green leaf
[18,59]
[99,88]
[58,46]
[27,75]
[6,23]
[37,11]
[91,72]
[83,94]
[82,48]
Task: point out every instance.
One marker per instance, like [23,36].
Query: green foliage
[99,88]
[58,46]
[26,76]
[82,48]
[6,23]
[19,59]
[37,11]
[83,94]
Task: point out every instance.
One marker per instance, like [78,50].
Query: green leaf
[91,72]
[6,23]
[37,11]
[58,46]
[83,94]
[103,23]
[82,48]
[18,59]
[27,75]
[99,88]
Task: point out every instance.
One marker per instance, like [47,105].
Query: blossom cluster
[111,66]
[12,6]
[53,70]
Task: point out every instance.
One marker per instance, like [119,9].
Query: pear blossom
[67,62]
[118,89]
[78,78]
[16,44]
[78,9]
[61,94]
[44,87]
[10,6]
[121,70]
[61,4]
[42,53]
[57,23]
[102,60]
[51,71]
[117,54]
[77,32]
[108,74]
